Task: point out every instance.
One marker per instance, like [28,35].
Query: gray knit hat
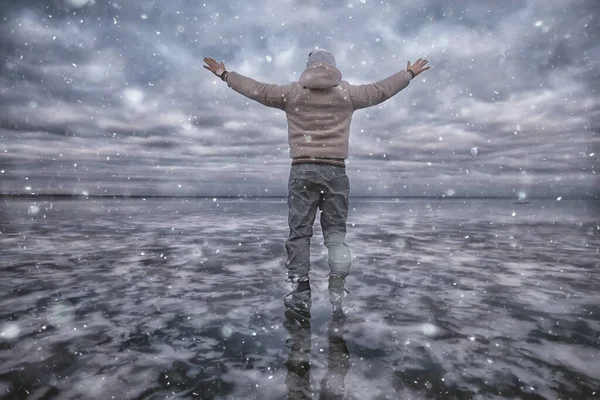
[320,56]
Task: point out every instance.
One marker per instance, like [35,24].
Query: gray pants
[325,187]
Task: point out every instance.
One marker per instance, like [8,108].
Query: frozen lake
[182,298]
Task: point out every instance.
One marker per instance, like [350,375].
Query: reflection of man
[338,362]
[297,322]
[319,108]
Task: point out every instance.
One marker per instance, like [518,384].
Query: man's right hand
[419,66]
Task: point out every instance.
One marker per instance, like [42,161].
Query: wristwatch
[221,73]
[412,74]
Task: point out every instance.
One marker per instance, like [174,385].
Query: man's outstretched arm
[369,95]
[270,95]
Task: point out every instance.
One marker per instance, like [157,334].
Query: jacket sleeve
[270,95]
[369,95]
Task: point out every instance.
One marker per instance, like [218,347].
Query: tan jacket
[319,106]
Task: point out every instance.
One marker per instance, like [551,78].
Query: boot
[337,294]
[299,301]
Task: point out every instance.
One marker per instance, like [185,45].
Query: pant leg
[334,213]
[303,200]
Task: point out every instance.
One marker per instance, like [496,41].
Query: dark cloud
[111,97]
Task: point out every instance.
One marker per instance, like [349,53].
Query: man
[318,108]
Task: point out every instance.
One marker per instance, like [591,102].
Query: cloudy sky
[104,97]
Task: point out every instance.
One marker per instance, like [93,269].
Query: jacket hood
[320,76]
[320,56]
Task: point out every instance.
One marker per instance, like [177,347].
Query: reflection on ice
[227,331]
[162,298]
[429,329]
[9,331]
[60,313]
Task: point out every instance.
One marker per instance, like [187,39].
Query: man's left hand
[213,65]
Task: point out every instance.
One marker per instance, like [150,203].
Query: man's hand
[418,66]
[213,65]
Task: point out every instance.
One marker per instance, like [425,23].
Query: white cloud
[80,3]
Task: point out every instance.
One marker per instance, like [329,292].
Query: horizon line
[122,196]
